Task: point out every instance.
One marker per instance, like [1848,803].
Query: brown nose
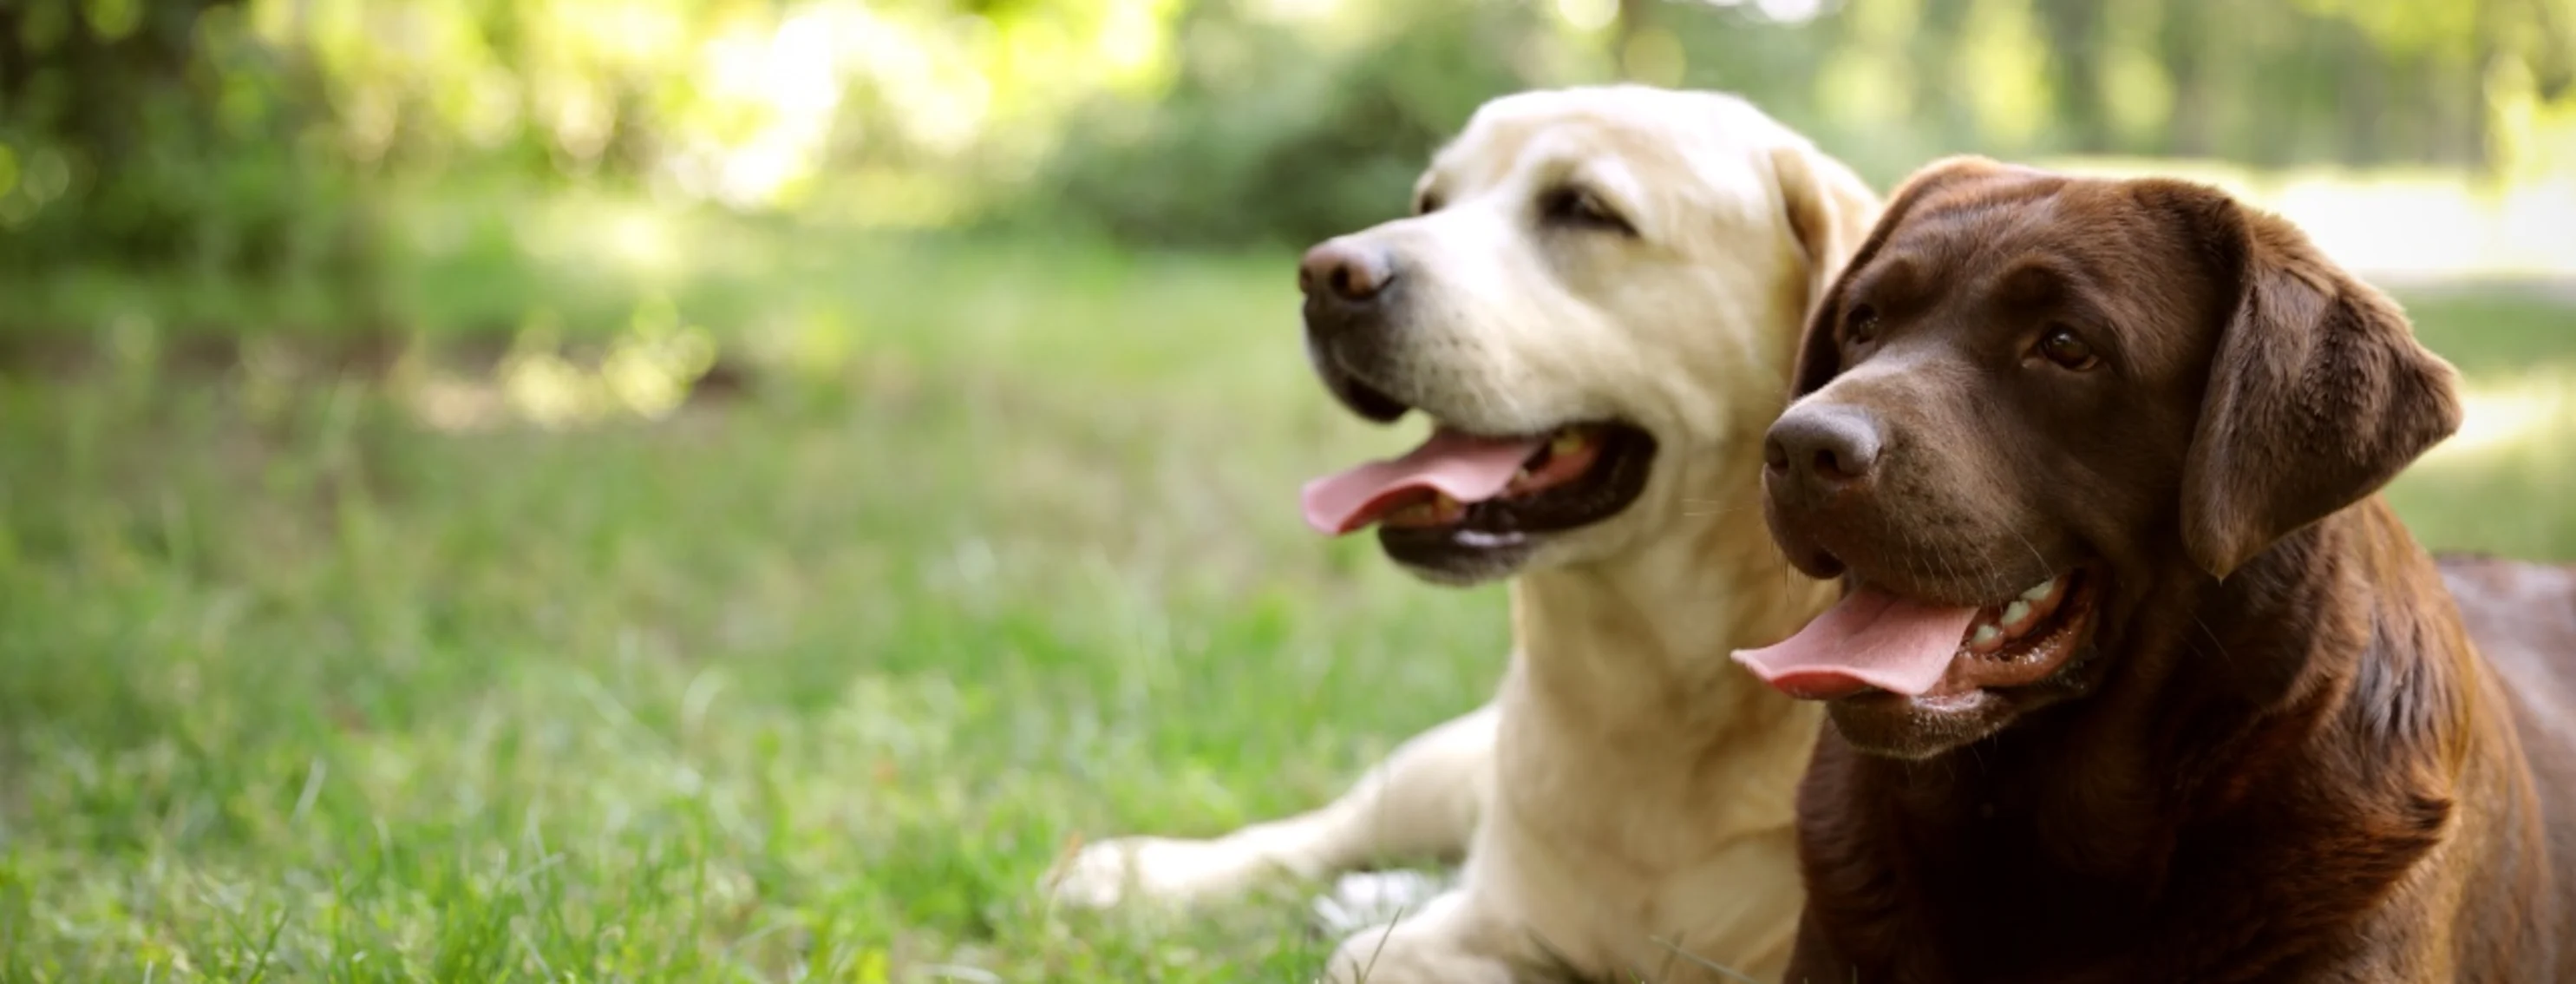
[1821,449]
[1342,271]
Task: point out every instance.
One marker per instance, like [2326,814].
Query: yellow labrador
[1595,303]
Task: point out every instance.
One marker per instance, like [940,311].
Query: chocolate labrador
[2136,678]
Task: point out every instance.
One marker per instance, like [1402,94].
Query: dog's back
[2522,616]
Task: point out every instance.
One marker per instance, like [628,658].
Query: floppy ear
[2318,392]
[1818,358]
[1830,211]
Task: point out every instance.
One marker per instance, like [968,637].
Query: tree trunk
[2361,84]
[2075,69]
[1635,16]
[2192,131]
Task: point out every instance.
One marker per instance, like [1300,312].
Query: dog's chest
[1974,901]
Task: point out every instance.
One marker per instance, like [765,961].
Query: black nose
[1339,273]
[1822,448]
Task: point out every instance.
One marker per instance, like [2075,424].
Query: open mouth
[1478,492]
[1876,640]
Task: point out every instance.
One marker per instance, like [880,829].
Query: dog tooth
[1566,442]
[2015,612]
[2040,590]
[1986,633]
[1445,509]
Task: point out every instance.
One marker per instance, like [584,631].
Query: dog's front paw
[1448,942]
[1390,955]
[1368,898]
[1154,869]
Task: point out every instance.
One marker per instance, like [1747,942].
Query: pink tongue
[1468,469]
[1869,639]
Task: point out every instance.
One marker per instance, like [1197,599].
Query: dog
[2136,677]
[1596,301]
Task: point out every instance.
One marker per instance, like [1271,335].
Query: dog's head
[1595,300]
[2033,398]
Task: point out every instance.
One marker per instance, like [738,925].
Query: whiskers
[1977,567]
[2034,551]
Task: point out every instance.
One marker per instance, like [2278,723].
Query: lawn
[304,679]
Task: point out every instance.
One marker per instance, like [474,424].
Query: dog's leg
[1421,802]
[1448,943]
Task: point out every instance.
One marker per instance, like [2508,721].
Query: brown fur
[2278,755]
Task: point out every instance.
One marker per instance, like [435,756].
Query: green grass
[811,685]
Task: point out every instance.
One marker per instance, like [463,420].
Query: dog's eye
[1427,204]
[1860,326]
[2062,347]
[1577,207]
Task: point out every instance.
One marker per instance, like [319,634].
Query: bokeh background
[578,490]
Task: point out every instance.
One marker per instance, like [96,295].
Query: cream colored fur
[1625,799]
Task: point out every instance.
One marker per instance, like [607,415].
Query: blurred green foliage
[1272,135]
[153,135]
[257,141]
